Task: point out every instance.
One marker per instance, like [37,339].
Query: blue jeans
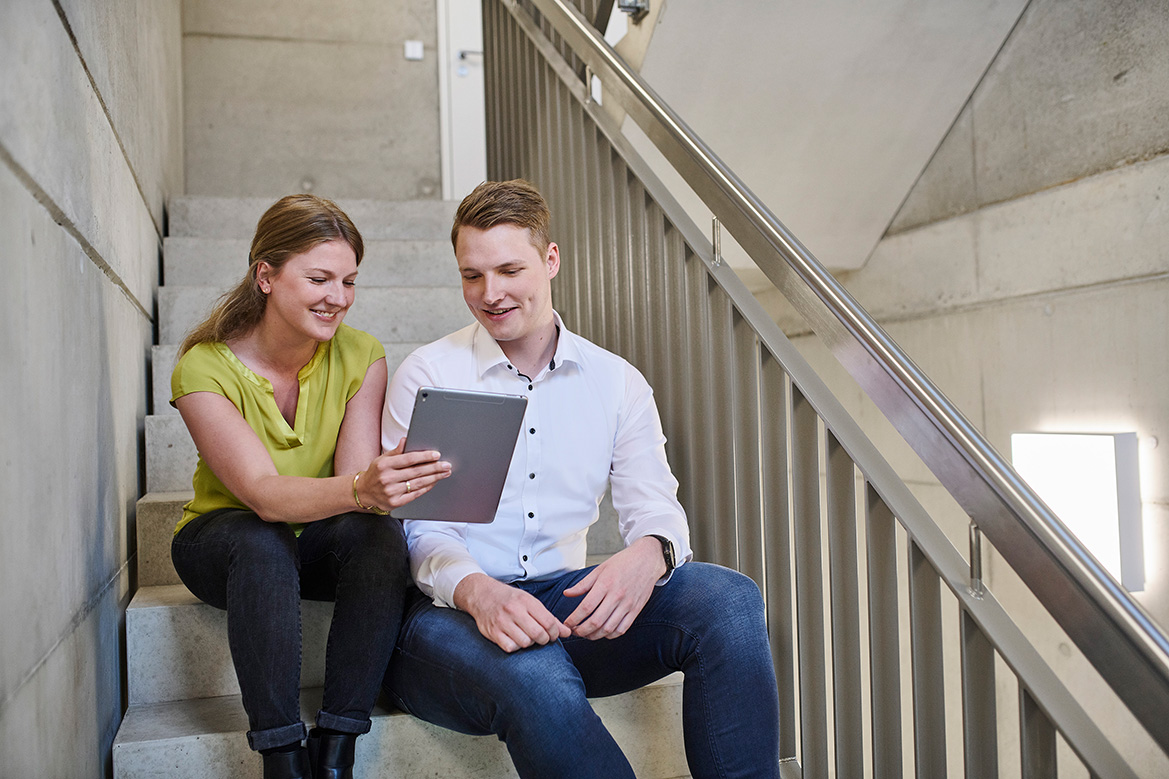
[258,571]
[707,622]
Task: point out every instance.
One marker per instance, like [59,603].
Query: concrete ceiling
[827,109]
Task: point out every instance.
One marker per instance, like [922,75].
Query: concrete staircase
[185,718]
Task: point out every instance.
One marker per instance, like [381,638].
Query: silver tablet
[476,432]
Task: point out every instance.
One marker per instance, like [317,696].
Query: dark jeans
[707,622]
[258,571]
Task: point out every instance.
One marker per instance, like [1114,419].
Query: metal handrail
[1112,630]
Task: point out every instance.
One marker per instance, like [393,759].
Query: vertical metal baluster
[594,228]
[845,601]
[581,246]
[613,240]
[884,637]
[929,703]
[728,394]
[777,530]
[638,294]
[564,221]
[682,437]
[703,410]
[507,94]
[1036,739]
[979,721]
[809,586]
[656,299]
[491,22]
[748,466]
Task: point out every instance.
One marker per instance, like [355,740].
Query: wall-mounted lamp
[1092,483]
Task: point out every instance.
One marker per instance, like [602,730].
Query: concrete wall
[300,95]
[90,147]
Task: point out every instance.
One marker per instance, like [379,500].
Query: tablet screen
[476,432]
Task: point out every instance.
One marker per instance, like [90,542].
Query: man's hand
[506,615]
[616,590]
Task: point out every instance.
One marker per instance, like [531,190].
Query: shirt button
[525,558]
[530,387]
[531,514]
[509,367]
[532,431]
[531,475]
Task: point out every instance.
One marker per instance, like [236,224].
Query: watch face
[667,552]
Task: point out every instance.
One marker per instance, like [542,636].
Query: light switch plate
[413,50]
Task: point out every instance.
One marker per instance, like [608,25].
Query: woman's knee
[256,542]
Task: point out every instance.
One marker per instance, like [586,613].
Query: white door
[464,137]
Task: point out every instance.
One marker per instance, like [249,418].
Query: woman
[284,403]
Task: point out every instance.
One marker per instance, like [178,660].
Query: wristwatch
[668,553]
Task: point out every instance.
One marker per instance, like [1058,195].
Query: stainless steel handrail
[1106,623]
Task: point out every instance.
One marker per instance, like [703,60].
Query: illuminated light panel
[1092,483]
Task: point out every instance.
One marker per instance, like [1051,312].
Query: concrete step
[170,454]
[177,646]
[221,262]
[204,739]
[390,314]
[232,217]
[157,515]
[163,363]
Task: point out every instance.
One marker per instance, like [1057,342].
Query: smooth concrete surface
[380,22]
[295,98]
[235,217]
[223,261]
[60,139]
[390,314]
[829,113]
[205,739]
[1077,89]
[1110,228]
[177,646]
[170,454]
[162,364]
[158,514]
[84,170]
[133,51]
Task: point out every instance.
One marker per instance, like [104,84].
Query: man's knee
[721,602]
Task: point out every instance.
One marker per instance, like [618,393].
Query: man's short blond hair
[514,202]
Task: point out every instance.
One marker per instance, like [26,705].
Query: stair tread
[235,217]
[225,714]
[205,738]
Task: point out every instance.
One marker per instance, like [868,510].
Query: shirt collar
[488,354]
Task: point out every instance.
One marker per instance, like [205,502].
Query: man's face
[507,282]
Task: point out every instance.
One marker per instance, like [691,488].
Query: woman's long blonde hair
[293,225]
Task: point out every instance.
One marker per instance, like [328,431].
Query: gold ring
[407,485]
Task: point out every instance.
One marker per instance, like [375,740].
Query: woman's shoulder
[361,345]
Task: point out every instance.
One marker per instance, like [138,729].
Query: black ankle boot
[287,765]
[331,754]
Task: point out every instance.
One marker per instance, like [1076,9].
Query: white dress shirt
[590,422]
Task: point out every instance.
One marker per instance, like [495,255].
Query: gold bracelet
[380,512]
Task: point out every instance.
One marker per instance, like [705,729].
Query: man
[510,632]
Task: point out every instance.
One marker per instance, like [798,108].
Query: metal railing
[755,435]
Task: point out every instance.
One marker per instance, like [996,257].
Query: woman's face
[311,292]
